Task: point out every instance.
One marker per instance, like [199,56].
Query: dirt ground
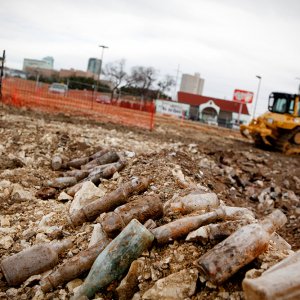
[218,159]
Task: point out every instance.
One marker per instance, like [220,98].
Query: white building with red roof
[214,111]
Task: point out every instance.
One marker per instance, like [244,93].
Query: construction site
[105,202]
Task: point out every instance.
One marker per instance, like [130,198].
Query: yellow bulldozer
[280,126]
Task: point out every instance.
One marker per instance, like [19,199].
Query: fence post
[152,109]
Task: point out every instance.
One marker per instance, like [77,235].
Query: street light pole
[103,47]
[100,69]
[258,88]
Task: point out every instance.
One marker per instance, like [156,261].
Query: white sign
[242,96]
[172,108]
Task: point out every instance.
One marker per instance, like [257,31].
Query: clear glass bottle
[240,248]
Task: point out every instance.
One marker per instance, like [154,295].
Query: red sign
[242,96]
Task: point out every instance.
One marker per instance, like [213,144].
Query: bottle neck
[61,246]
[273,221]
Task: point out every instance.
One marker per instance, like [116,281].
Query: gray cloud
[228,41]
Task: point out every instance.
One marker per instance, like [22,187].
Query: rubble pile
[105,212]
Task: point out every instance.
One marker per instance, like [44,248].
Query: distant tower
[192,84]
[94,65]
[49,60]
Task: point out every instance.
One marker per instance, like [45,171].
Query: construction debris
[190,191]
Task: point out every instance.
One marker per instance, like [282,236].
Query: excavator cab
[280,126]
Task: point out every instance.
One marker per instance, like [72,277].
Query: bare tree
[115,73]
[165,85]
[142,78]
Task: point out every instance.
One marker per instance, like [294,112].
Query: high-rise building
[94,65]
[45,63]
[49,60]
[192,84]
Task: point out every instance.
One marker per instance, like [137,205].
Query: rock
[286,184]
[297,182]
[6,242]
[63,196]
[177,173]
[7,230]
[12,293]
[4,221]
[280,243]
[116,176]
[291,197]
[87,194]
[264,194]
[28,233]
[129,154]
[249,191]
[39,295]
[253,273]
[63,294]
[2,149]
[46,220]
[97,235]
[259,183]
[136,296]
[19,194]
[71,285]
[207,163]
[41,238]
[4,184]
[180,285]
[129,285]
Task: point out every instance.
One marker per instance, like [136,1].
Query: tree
[142,79]
[165,85]
[116,75]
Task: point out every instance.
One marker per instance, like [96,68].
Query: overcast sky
[228,42]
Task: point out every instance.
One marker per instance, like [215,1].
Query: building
[46,73]
[192,84]
[63,73]
[45,63]
[49,60]
[94,65]
[215,111]
[14,73]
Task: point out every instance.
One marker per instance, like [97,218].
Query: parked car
[104,99]
[58,88]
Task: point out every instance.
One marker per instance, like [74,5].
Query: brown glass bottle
[141,209]
[240,248]
[109,201]
[34,260]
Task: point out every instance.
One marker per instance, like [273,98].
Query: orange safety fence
[26,93]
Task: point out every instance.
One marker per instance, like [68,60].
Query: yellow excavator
[280,126]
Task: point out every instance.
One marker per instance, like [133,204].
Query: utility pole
[176,79]
[2,60]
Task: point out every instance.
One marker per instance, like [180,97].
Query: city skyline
[228,43]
